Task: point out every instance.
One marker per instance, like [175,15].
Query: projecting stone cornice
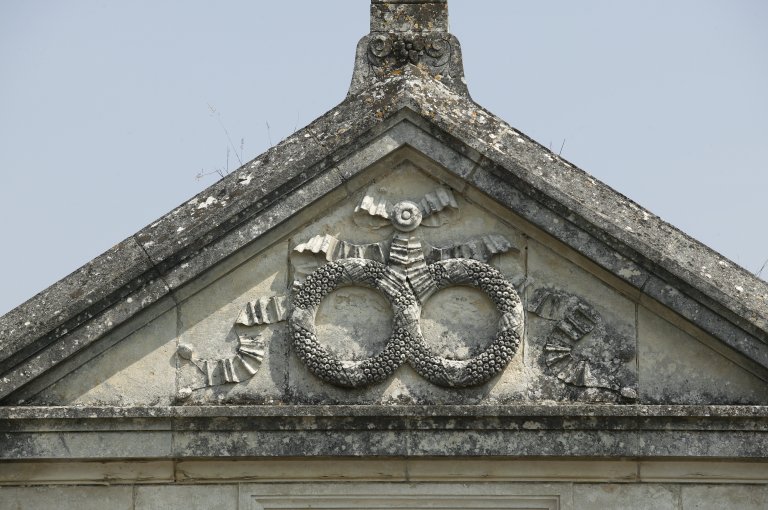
[563,431]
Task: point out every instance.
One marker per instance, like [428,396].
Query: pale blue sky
[104,117]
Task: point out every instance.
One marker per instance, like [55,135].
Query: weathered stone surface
[64,444]
[708,320]
[399,16]
[186,497]
[140,370]
[598,367]
[86,472]
[517,470]
[349,334]
[411,182]
[72,343]
[333,133]
[581,333]
[675,368]
[346,469]
[294,470]
[715,471]
[620,497]
[72,301]
[725,432]
[713,497]
[207,323]
[404,35]
[233,200]
[445,326]
[57,498]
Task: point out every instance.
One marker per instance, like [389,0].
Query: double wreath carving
[406,343]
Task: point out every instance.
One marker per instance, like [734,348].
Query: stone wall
[620,485]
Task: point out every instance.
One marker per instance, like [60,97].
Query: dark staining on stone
[564,430]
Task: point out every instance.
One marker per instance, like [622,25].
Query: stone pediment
[408,247]
[409,269]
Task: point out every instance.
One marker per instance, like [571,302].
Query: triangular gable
[588,337]
[609,230]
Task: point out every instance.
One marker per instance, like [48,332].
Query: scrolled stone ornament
[397,50]
[379,48]
[484,366]
[438,49]
[345,373]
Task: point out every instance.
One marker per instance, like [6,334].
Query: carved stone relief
[250,348]
[406,271]
[406,344]
[579,347]
[575,347]
[406,279]
[397,50]
[239,368]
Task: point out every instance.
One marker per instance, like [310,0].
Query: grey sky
[105,123]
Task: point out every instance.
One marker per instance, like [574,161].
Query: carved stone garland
[499,353]
[406,343]
[407,273]
[351,374]
[406,281]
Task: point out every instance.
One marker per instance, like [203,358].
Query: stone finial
[409,16]
[409,36]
